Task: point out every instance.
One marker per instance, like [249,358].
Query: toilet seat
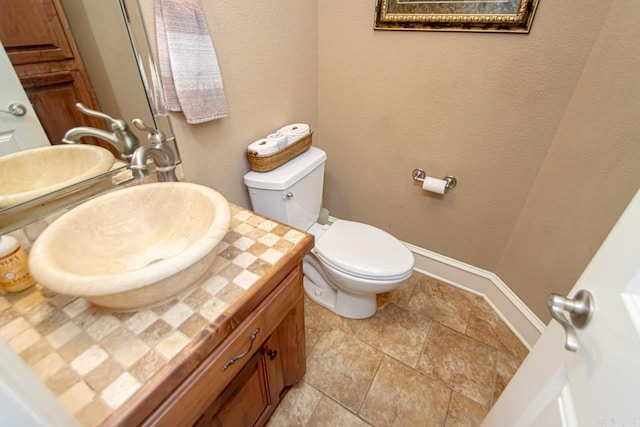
[364,251]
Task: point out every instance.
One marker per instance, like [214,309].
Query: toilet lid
[363,250]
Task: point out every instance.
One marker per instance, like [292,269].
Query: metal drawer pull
[235,359]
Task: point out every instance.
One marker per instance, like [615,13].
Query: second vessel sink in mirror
[133,248]
[28,174]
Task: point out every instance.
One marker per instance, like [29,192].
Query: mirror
[112,43]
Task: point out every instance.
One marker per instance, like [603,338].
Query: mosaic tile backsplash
[94,361]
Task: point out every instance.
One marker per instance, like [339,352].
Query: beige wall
[490,109]
[504,113]
[268,58]
[481,107]
[101,37]
[591,171]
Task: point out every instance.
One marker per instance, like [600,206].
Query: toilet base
[342,303]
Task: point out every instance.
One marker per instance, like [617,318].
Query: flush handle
[287,196]
[580,311]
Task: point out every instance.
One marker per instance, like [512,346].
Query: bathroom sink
[133,248]
[31,173]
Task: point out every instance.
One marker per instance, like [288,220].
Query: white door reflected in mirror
[17,133]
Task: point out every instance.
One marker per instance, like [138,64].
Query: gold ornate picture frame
[513,16]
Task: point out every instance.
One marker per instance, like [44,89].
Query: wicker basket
[271,161]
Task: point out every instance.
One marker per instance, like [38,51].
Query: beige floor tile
[344,356]
[342,367]
[397,332]
[486,326]
[297,406]
[402,294]
[319,320]
[443,303]
[506,368]
[329,319]
[464,412]
[462,363]
[314,327]
[332,414]
[401,396]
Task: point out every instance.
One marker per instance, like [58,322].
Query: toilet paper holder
[419,175]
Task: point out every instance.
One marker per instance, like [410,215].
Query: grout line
[493,386]
[424,344]
[317,403]
[446,416]
[415,287]
[375,375]
[349,410]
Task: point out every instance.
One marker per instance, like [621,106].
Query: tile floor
[433,355]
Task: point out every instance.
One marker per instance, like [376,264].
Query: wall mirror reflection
[55,54]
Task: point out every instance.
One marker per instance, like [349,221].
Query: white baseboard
[518,317]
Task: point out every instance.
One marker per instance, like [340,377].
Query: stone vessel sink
[133,248]
[32,173]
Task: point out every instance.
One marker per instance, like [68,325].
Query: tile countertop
[97,362]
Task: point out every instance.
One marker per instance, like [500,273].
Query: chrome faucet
[120,136]
[158,151]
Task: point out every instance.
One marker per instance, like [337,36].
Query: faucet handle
[114,124]
[156,136]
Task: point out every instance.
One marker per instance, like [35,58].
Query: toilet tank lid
[289,173]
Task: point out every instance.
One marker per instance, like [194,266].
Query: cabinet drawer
[251,396]
[197,392]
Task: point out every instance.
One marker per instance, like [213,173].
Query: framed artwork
[513,16]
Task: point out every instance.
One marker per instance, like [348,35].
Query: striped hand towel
[189,68]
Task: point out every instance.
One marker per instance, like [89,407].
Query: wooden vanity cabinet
[245,392]
[253,394]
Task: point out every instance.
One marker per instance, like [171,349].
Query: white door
[599,384]
[17,133]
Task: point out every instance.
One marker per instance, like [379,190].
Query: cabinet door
[54,96]
[40,45]
[253,395]
[33,31]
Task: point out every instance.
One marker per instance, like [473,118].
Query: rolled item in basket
[295,131]
[280,138]
[264,146]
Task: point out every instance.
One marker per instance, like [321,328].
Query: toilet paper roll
[280,138]
[434,185]
[295,131]
[264,146]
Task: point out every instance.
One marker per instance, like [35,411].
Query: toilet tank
[291,193]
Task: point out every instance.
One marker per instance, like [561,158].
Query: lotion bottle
[14,266]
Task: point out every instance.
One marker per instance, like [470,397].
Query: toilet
[351,262]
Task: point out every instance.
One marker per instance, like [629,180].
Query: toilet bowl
[351,262]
